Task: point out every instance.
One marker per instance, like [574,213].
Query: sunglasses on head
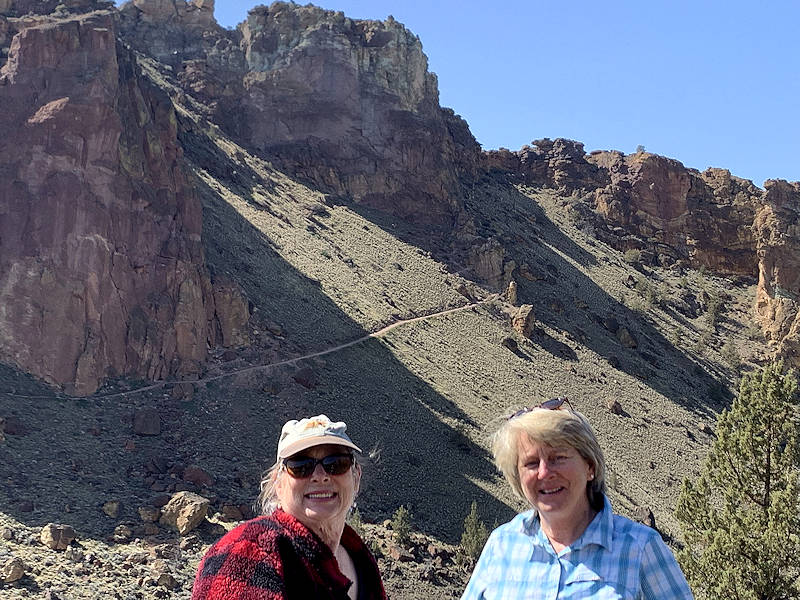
[333,464]
[552,404]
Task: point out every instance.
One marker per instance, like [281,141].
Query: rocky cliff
[777,230]
[345,104]
[679,216]
[102,271]
[102,267]
[649,202]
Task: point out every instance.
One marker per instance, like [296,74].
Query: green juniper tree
[401,526]
[473,538]
[741,517]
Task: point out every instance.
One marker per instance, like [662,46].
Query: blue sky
[707,82]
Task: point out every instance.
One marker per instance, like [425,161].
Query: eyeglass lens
[334,464]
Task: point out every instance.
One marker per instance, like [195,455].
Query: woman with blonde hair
[570,544]
[301,548]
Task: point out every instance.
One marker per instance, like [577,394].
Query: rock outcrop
[558,163]
[648,202]
[348,105]
[101,265]
[676,213]
[175,32]
[673,214]
[777,228]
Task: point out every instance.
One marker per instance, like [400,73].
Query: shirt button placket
[557,573]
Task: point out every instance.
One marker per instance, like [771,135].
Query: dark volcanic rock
[101,263]
[558,163]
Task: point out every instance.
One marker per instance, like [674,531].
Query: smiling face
[553,480]
[322,500]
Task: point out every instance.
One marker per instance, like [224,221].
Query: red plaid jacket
[276,557]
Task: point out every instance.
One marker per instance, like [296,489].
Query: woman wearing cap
[570,544]
[301,548]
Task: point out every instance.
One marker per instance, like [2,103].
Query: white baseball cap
[313,431]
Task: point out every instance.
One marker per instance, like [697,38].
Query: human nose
[544,469]
[319,472]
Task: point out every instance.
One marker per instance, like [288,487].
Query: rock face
[673,214]
[648,202]
[556,163]
[101,264]
[777,228]
[677,213]
[174,31]
[348,105]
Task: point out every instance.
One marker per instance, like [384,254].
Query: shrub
[713,308]
[401,526]
[650,295]
[474,536]
[355,521]
[754,332]
[731,355]
[702,342]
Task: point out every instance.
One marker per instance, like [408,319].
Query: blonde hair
[267,500]
[551,428]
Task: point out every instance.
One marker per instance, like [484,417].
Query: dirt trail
[376,334]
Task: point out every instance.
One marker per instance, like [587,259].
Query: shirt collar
[600,530]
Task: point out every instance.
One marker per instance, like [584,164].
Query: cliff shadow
[551,275]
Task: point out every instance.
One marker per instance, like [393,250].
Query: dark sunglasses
[303,467]
[552,404]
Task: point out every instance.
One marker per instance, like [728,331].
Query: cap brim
[299,445]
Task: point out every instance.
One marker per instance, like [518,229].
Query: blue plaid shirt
[614,558]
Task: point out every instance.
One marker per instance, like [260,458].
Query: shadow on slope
[423,461]
[76,454]
[568,299]
[564,297]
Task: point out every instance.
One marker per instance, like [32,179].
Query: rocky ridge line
[676,216]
